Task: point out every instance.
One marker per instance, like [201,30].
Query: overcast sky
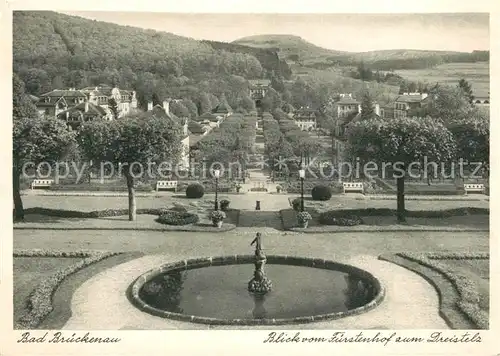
[345,32]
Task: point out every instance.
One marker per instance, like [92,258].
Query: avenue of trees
[231,142]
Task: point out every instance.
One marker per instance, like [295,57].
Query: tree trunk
[401,199]
[18,203]
[132,206]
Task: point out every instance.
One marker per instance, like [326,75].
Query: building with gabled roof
[223,109]
[100,95]
[56,101]
[408,101]
[84,112]
[305,118]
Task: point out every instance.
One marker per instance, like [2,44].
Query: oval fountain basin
[218,294]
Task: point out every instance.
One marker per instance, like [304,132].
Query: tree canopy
[128,147]
[37,140]
[401,141]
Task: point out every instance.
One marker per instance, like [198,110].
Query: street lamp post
[216,175]
[302,174]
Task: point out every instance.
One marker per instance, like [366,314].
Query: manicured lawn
[201,207]
[29,271]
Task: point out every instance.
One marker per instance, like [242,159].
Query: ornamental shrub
[304,216]
[195,191]
[321,192]
[296,204]
[218,215]
[177,218]
[224,204]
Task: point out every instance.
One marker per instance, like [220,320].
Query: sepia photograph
[251,171]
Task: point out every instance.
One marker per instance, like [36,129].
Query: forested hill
[53,50]
[297,49]
[267,57]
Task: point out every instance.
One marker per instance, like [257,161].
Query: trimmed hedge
[294,186]
[91,214]
[260,189]
[195,191]
[321,192]
[93,187]
[331,218]
[411,213]
[177,218]
[40,300]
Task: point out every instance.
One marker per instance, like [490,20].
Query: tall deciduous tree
[466,90]
[178,109]
[36,140]
[367,109]
[191,107]
[156,99]
[472,135]
[247,103]
[204,104]
[400,142]
[113,106]
[130,145]
[446,104]
[22,106]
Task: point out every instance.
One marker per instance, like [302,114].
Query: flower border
[469,297]
[40,299]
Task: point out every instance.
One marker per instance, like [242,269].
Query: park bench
[41,183]
[353,187]
[476,188]
[166,184]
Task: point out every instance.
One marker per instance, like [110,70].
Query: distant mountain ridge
[296,48]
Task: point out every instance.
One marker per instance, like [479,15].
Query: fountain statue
[259,284]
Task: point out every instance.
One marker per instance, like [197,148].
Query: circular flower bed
[177,218]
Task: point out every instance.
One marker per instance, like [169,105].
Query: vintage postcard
[287,179]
